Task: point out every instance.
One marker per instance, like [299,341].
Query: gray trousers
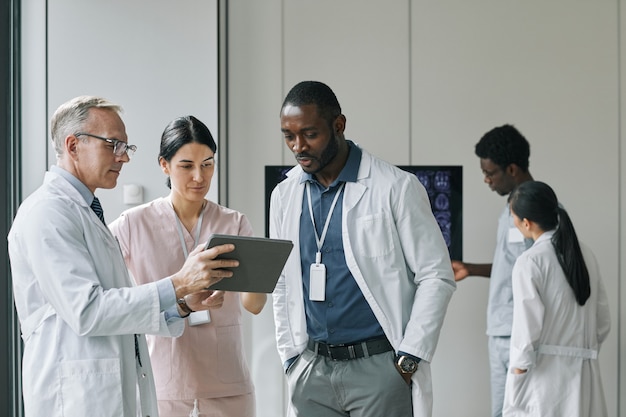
[499,347]
[364,387]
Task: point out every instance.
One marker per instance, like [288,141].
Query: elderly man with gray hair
[82,318]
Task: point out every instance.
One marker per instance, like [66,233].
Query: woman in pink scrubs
[203,372]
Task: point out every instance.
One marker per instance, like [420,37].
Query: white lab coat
[555,338]
[396,253]
[79,311]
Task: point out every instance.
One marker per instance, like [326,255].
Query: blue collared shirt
[509,246]
[344,316]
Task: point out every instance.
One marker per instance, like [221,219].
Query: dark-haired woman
[560,314]
[203,372]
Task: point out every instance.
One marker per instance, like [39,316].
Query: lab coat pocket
[373,236]
[516,393]
[90,386]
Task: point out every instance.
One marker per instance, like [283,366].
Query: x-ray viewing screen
[443,183]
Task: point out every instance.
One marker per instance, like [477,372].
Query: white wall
[419,81]
[157,62]
[550,68]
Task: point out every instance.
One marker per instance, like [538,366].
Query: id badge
[317,282]
[199,317]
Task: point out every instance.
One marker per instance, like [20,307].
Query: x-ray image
[443,183]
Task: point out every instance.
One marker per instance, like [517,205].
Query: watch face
[408,365]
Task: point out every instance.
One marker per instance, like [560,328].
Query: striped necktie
[97,208]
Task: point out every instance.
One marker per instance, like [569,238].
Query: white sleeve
[528,313]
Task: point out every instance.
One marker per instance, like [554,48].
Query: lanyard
[182,238]
[320,241]
[195,317]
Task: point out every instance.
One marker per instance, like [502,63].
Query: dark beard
[329,153]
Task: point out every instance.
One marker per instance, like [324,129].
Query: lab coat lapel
[355,190]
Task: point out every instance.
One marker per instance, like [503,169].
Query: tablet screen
[261,261]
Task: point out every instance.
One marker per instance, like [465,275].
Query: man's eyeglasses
[119,147]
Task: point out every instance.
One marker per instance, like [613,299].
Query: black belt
[344,352]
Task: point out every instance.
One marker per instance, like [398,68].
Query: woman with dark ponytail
[560,314]
[204,371]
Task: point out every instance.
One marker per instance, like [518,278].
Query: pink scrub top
[208,360]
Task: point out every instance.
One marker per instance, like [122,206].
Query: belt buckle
[341,351]
[337,348]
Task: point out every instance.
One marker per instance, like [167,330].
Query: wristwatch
[406,364]
[182,303]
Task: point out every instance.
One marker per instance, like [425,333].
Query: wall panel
[157,68]
[360,49]
[254,96]
[551,70]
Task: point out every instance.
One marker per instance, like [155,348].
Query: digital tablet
[261,260]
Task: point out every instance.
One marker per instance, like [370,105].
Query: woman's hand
[205,300]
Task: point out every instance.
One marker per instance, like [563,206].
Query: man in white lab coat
[362,299]
[81,318]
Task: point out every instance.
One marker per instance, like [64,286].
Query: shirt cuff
[167,298]
[288,362]
[400,353]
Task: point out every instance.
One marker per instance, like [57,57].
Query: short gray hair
[71,116]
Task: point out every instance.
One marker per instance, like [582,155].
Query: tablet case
[261,260]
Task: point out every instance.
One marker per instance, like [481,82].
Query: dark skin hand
[463,270]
